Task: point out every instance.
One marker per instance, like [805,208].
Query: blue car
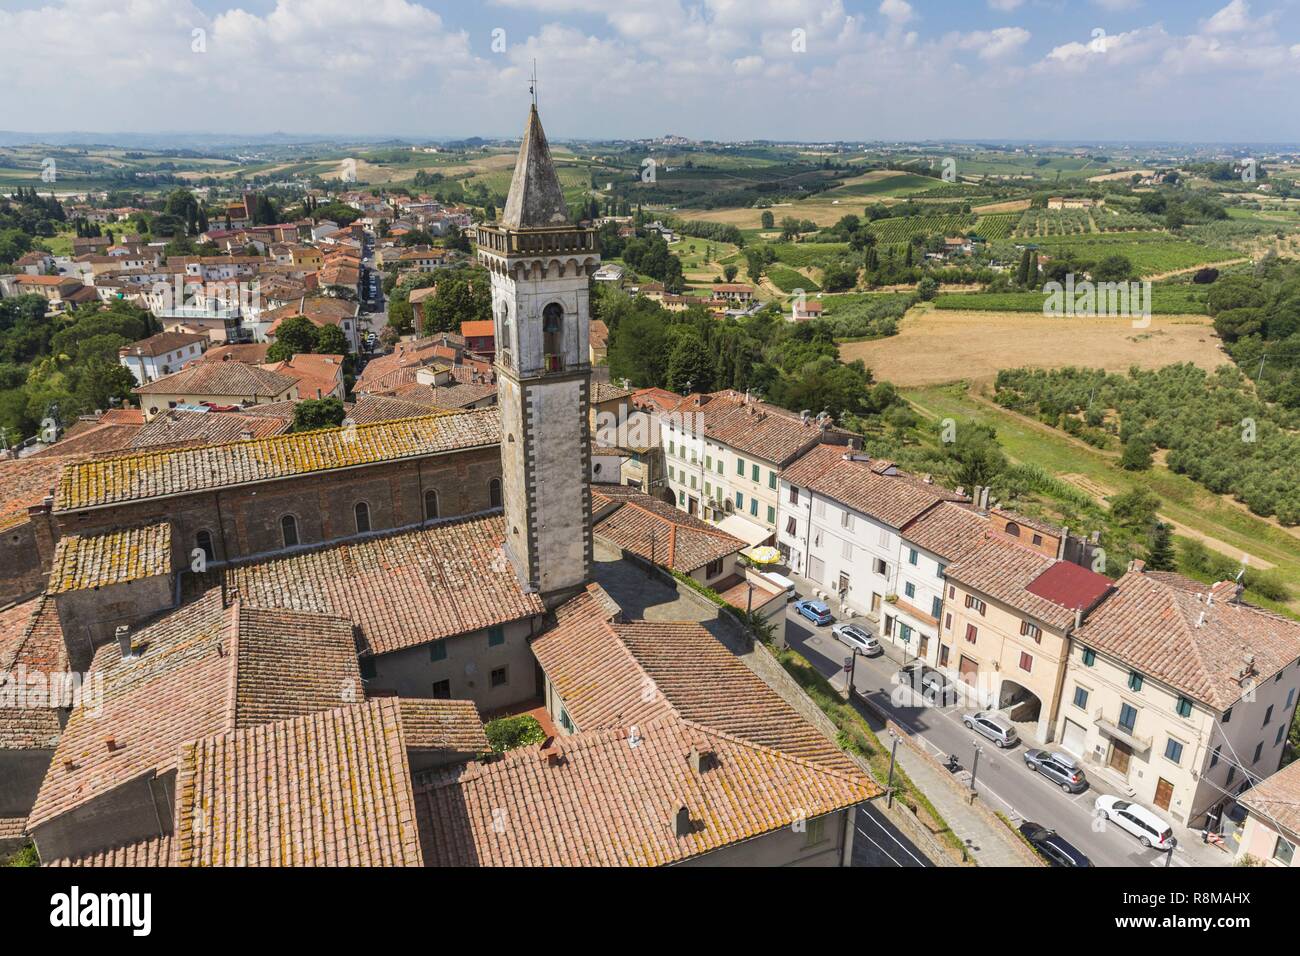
[815,611]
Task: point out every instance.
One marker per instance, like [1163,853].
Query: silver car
[856,637]
[994,726]
[1059,768]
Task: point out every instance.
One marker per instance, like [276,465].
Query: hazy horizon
[1034,71]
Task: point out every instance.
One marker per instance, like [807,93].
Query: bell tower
[540,264]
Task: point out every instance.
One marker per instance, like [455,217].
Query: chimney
[1078,618]
[700,758]
[551,753]
[246,435]
[683,824]
[1137,565]
[111,744]
[1200,620]
[123,636]
[805,415]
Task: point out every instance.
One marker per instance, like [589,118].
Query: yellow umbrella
[764,555]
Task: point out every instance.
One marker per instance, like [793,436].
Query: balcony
[562,239]
[1116,730]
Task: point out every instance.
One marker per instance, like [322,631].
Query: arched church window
[553,336]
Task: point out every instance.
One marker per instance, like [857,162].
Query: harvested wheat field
[935,346]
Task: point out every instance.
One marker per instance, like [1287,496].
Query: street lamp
[889,787]
[850,668]
[975,764]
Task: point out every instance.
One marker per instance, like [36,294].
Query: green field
[900,230]
[888,186]
[801,255]
[996,225]
[1165,300]
[787,279]
[1151,253]
[1235,531]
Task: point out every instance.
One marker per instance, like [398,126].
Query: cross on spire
[532,87]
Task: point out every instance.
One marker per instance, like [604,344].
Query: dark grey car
[1062,769]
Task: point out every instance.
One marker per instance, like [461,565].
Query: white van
[1144,824]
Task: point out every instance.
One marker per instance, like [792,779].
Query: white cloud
[1234,18]
[897,12]
[1005,6]
[994,44]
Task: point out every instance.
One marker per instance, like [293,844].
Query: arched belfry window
[505,335]
[553,337]
[289,529]
[494,493]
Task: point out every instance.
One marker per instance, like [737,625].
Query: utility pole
[853,669]
[975,765]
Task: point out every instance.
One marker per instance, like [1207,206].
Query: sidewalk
[990,841]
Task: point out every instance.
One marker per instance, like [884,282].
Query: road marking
[879,847]
[901,846]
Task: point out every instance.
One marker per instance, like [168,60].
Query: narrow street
[1003,781]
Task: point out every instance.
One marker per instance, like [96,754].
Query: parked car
[994,726]
[815,611]
[1144,824]
[1054,848]
[854,636]
[928,682]
[1061,769]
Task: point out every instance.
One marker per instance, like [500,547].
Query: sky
[809,70]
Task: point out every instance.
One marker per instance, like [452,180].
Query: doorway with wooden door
[1164,793]
[924,647]
[1120,755]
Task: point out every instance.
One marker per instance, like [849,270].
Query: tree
[331,340]
[1113,269]
[976,455]
[293,337]
[1161,555]
[1137,455]
[509,733]
[463,295]
[317,413]
[768,220]
[927,288]
[690,363]
[730,272]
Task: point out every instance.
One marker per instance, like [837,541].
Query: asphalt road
[877,842]
[1002,779]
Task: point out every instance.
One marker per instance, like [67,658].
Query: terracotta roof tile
[183,471]
[1005,573]
[656,531]
[611,673]
[154,852]
[606,802]
[221,379]
[1153,622]
[329,789]
[453,725]
[84,562]
[201,669]
[1276,801]
[400,590]
[31,647]
[873,487]
[949,529]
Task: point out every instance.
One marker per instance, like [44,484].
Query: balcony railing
[1117,730]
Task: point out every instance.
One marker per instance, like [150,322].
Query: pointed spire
[536,198]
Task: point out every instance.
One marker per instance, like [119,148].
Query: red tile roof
[154,852]
[328,789]
[201,669]
[1004,572]
[874,487]
[1163,626]
[658,532]
[604,801]
[400,590]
